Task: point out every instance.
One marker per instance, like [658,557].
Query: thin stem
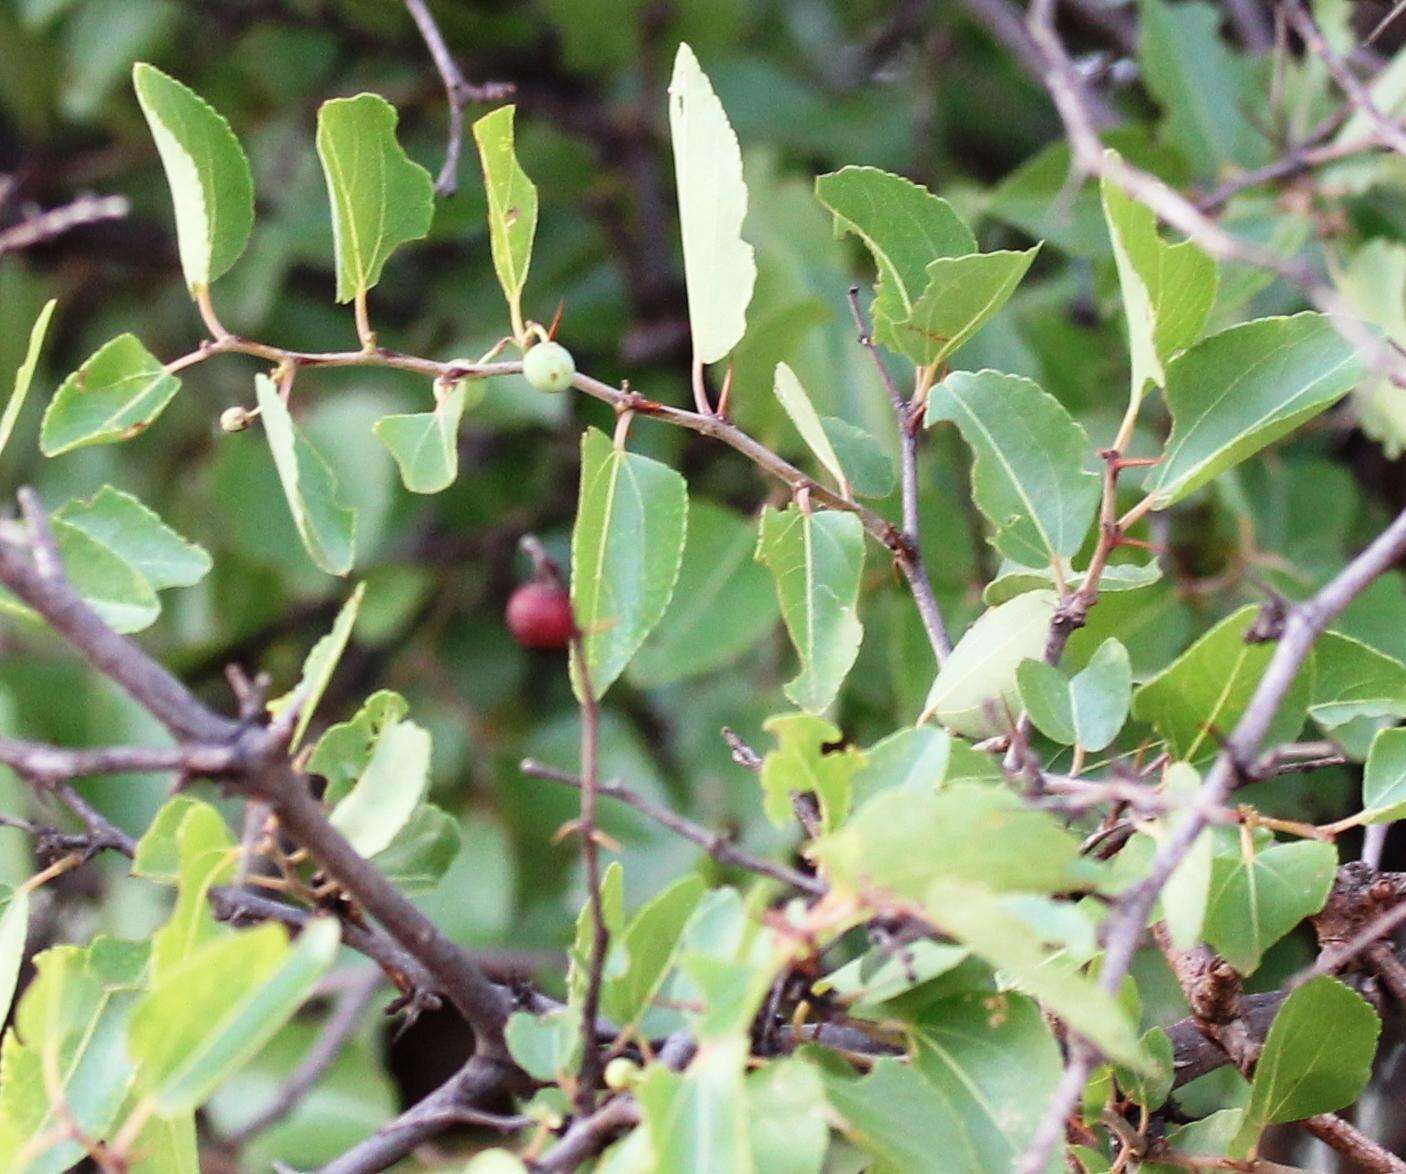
[1385,130]
[459,92]
[910,560]
[590,854]
[363,322]
[588,1136]
[716,844]
[478,1079]
[54,222]
[485,1005]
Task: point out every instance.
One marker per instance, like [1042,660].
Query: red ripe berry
[539,616]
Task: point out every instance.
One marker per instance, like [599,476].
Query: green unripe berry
[621,1073]
[548,367]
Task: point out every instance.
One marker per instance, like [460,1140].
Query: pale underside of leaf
[719,266]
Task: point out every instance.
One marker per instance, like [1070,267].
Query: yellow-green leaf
[380,197]
[512,205]
[113,396]
[817,560]
[211,186]
[24,376]
[719,266]
[326,526]
[626,550]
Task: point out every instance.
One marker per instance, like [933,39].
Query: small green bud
[548,367]
[234,419]
[621,1073]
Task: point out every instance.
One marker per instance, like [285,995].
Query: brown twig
[716,844]
[1333,1131]
[588,1136]
[910,560]
[1386,131]
[43,226]
[479,1079]
[591,1062]
[459,92]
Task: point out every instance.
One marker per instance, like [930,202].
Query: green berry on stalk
[549,367]
[621,1073]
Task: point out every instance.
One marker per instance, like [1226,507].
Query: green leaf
[998,929]
[882,975]
[1353,680]
[422,851]
[1317,1058]
[899,1117]
[1031,472]
[205,855]
[977,693]
[512,205]
[612,899]
[200,1023]
[1255,901]
[425,445]
[995,1061]
[1384,778]
[626,550]
[166,1145]
[902,841]
[1088,709]
[960,297]
[803,415]
[904,226]
[646,949]
[1011,580]
[1198,698]
[344,749]
[380,198]
[1168,290]
[697,1120]
[318,667]
[1150,1089]
[14,930]
[720,268]
[158,854]
[914,758]
[1187,892]
[548,1046]
[113,396]
[1372,279]
[1206,91]
[24,376]
[109,584]
[211,186]
[1232,394]
[723,604]
[786,1125]
[386,796]
[1210,1137]
[865,462]
[71,1021]
[799,764]
[816,560]
[132,532]
[326,526]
